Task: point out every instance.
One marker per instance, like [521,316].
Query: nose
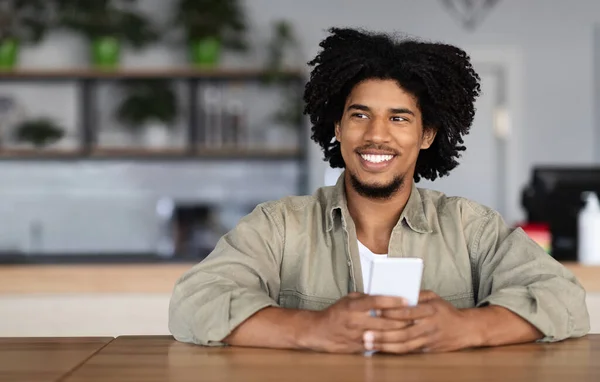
[377,131]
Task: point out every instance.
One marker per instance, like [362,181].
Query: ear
[429,134]
[337,131]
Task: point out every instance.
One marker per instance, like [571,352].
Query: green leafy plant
[21,22]
[283,41]
[223,20]
[40,132]
[97,19]
[147,101]
[25,21]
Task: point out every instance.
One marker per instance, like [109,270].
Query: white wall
[553,41]
[553,38]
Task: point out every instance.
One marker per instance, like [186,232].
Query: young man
[292,273]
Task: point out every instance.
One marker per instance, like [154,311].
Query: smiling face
[380,134]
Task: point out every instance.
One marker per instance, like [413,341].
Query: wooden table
[160,358]
[44,359]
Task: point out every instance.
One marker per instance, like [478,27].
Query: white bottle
[588,243]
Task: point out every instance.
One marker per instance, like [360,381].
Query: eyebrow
[400,110]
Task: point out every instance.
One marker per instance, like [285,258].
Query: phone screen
[397,276]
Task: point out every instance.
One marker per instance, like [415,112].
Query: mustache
[383,148]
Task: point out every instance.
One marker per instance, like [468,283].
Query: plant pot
[206,52]
[156,135]
[106,52]
[9,50]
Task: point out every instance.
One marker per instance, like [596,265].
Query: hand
[438,327]
[341,327]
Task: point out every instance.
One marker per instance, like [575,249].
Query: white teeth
[376,158]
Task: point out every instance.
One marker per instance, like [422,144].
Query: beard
[377,190]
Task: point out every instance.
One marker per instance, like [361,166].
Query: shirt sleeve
[517,274]
[238,278]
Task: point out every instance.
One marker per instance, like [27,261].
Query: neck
[376,218]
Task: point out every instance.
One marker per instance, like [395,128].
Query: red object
[540,233]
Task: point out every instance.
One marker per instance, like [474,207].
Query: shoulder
[288,205]
[297,206]
[443,208]
[463,217]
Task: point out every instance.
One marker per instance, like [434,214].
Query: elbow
[198,318]
[580,318]
[180,330]
[578,312]
[179,323]
[573,303]
[581,329]
[579,324]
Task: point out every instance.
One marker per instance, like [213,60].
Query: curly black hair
[440,76]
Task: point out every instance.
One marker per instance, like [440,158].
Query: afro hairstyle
[440,76]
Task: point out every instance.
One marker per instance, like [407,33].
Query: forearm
[272,327]
[515,272]
[496,325]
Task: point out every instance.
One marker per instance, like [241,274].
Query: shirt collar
[337,202]
[413,213]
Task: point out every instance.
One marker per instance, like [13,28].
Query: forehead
[381,93]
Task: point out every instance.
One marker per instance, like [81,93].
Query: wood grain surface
[153,359]
[44,359]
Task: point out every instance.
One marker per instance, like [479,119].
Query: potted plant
[283,42]
[39,132]
[282,45]
[21,22]
[149,106]
[209,27]
[107,24]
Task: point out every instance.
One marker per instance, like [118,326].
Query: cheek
[350,137]
[408,139]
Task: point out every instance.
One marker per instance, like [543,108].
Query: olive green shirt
[301,252]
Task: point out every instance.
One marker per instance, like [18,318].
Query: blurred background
[141,131]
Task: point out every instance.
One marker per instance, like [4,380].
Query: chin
[378,187]
[376,179]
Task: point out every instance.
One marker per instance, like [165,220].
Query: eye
[399,119]
[359,115]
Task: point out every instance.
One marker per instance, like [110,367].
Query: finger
[427,295]
[410,313]
[423,328]
[355,295]
[366,303]
[383,324]
[410,346]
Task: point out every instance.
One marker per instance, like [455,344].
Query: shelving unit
[87,80]
[152,154]
[166,73]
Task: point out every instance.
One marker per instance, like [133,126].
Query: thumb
[427,295]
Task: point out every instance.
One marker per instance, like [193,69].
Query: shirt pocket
[292,299]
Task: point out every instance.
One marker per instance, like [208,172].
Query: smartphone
[397,276]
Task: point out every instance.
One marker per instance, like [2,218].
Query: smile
[373,158]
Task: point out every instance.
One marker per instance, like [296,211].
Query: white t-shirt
[366,260]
